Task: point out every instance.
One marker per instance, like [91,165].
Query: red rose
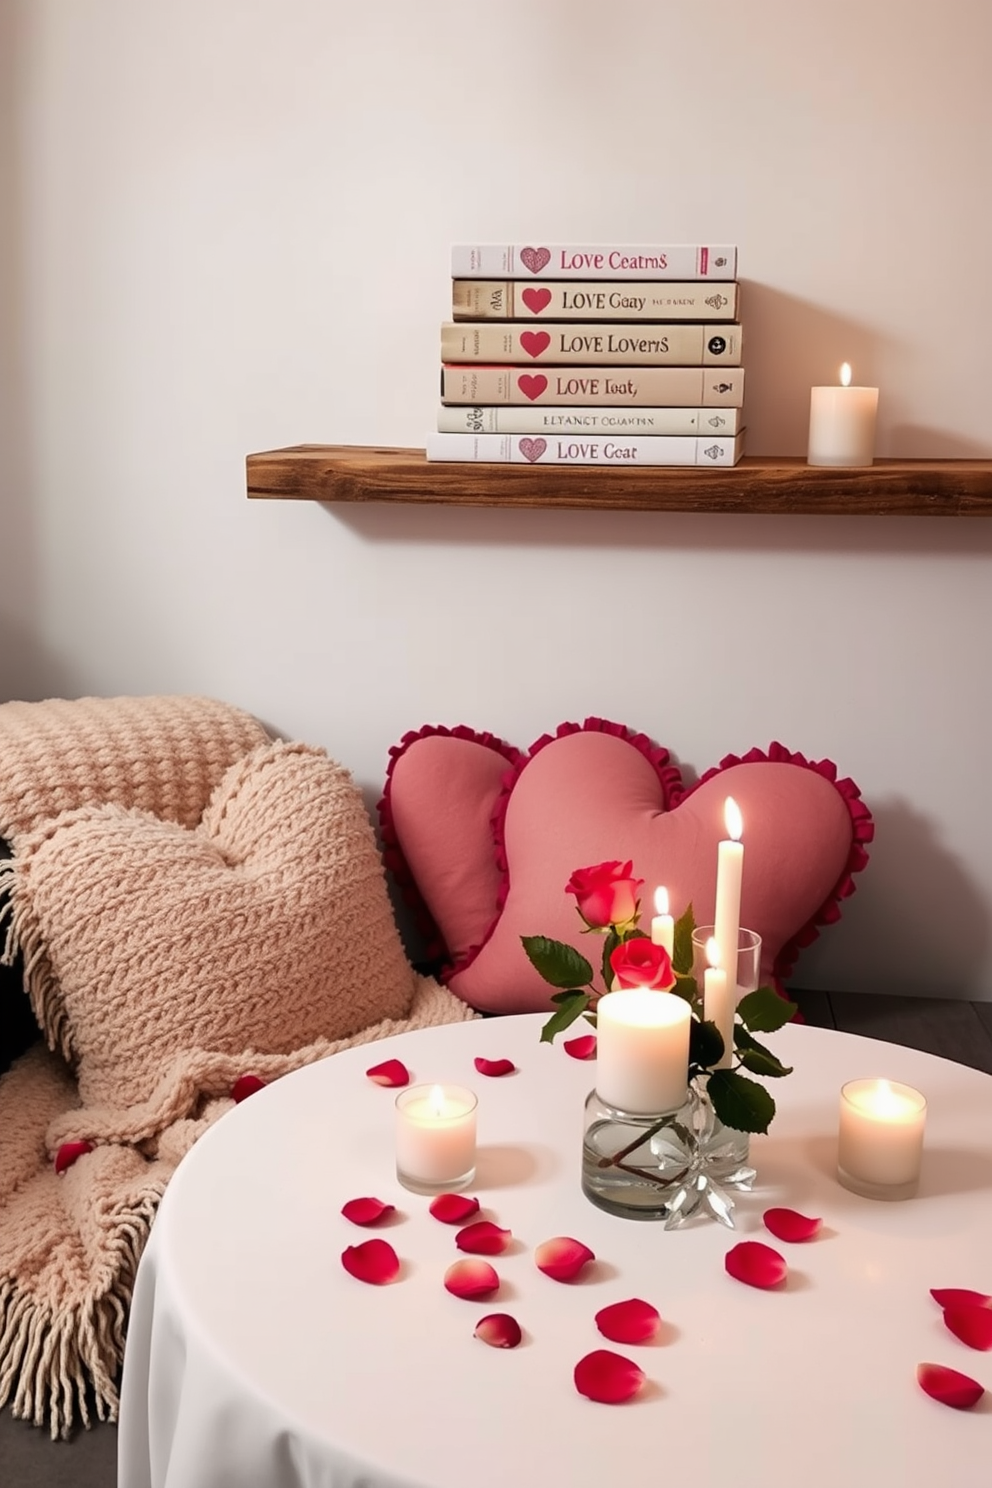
[606,894]
[639,963]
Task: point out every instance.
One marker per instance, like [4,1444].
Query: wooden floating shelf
[771,485]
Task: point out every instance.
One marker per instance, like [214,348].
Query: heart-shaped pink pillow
[483,839]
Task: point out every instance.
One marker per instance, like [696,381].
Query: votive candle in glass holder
[880,1138]
[724,986]
[435,1138]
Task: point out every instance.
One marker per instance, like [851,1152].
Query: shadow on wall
[792,345]
[912,891]
[25,669]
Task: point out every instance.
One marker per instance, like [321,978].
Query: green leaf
[764,1011]
[705,1043]
[556,962]
[682,944]
[740,1103]
[571,1005]
[609,946]
[685,987]
[758,1059]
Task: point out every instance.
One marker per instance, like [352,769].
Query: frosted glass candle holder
[435,1138]
[880,1138]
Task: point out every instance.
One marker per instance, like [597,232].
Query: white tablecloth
[255,1361]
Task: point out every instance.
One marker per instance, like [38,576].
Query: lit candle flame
[435,1101]
[845,374]
[734,820]
[661,901]
[713,951]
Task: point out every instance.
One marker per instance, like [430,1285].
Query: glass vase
[667,1165]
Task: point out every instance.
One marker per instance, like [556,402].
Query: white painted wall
[226,228]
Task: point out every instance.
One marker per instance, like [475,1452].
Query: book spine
[668,387]
[509,299]
[627,451]
[465,419]
[658,345]
[593,261]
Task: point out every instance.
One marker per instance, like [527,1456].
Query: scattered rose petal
[787,1224]
[607,1377]
[959,1297]
[390,1072]
[244,1086]
[485,1238]
[633,1321]
[68,1152]
[452,1208]
[495,1067]
[374,1261]
[499,1330]
[756,1264]
[367,1211]
[972,1323]
[583,1047]
[948,1386]
[563,1258]
[471,1279]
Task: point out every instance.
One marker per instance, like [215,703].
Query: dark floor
[955,1030]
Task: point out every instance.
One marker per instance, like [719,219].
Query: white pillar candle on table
[435,1136]
[662,924]
[842,423]
[880,1138]
[729,876]
[642,1050]
[719,1001]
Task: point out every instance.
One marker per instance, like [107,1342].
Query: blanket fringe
[56,1362]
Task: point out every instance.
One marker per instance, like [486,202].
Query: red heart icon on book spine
[533,449]
[534,342]
[536,300]
[532,387]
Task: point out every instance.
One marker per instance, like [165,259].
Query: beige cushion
[266,927]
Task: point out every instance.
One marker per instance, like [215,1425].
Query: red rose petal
[68,1152]
[607,1377]
[972,1323]
[788,1224]
[471,1279]
[367,1211]
[959,1297]
[390,1072]
[948,1386]
[756,1264]
[495,1067]
[486,1238]
[452,1208]
[583,1047]
[633,1321]
[563,1258]
[374,1261]
[244,1086]
[499,1330]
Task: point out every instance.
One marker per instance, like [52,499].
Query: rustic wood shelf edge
[758,484]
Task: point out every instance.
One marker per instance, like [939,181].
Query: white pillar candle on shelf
[842,423]
[729,877]
[662,924]
[642,1050]
[435,1137]
[880,1138]
[719,1001]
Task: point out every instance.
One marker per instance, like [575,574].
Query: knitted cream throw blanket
[129,818]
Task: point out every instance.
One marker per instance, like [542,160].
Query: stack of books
[592,355]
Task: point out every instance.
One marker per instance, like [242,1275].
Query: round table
[255,1360]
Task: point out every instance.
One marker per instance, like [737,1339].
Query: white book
[593,261]
[464,418]
[577,449]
